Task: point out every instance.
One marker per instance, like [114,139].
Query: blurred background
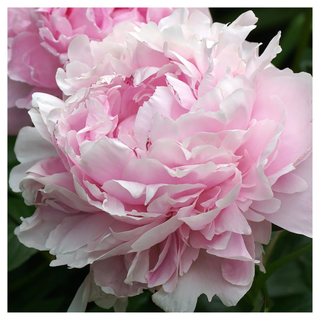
[33,286]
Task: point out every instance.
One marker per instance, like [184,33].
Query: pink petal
[163,128]
[35,230]
[209,101]
[126,191]
[166,264]
[295,213]
[181,91]
[253,216]
[261,231]
[178,16]
[156,14]
[238,272]
[79,50]
[290,183]
[268,54]
[139,268]
[295,140]
[206,272]
[110,274]
[65,238]
[28,144]
[231,219]
[157,234]
[236,249]
[266,206]
[106,160]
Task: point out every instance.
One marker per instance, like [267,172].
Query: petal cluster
[38,40]
[174,150]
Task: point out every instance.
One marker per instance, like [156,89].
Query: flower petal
[207,274]
[295,213]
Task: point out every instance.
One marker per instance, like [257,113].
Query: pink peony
[38,40]
[177,148]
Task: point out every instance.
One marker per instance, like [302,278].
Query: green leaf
[274,266]
[287,281]
[296,303]
[288,262]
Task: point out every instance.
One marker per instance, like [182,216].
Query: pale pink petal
[63,238]
[253,216]
[157,234]
[106,160]
[295,213]
[298,121]
[163,127]
[34,231]
[166,265]
[110,274]
[200,21]
[147,171]
[266,206]
[28,145]
[89,291]
[290,183]
[206,272]
[139,268]
[80,300]
[181,92]
[231,219]
[238,272]
[178,16]
[268,54]
[156,14]
[209,101]
[236,249]
[261,231]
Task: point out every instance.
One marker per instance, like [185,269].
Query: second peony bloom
[176,148]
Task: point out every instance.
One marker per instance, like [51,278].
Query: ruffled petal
[206,272]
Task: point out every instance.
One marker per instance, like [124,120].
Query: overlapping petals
[174,150]
[38,40]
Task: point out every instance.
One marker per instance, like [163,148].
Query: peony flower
[175,150]
[38,40]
